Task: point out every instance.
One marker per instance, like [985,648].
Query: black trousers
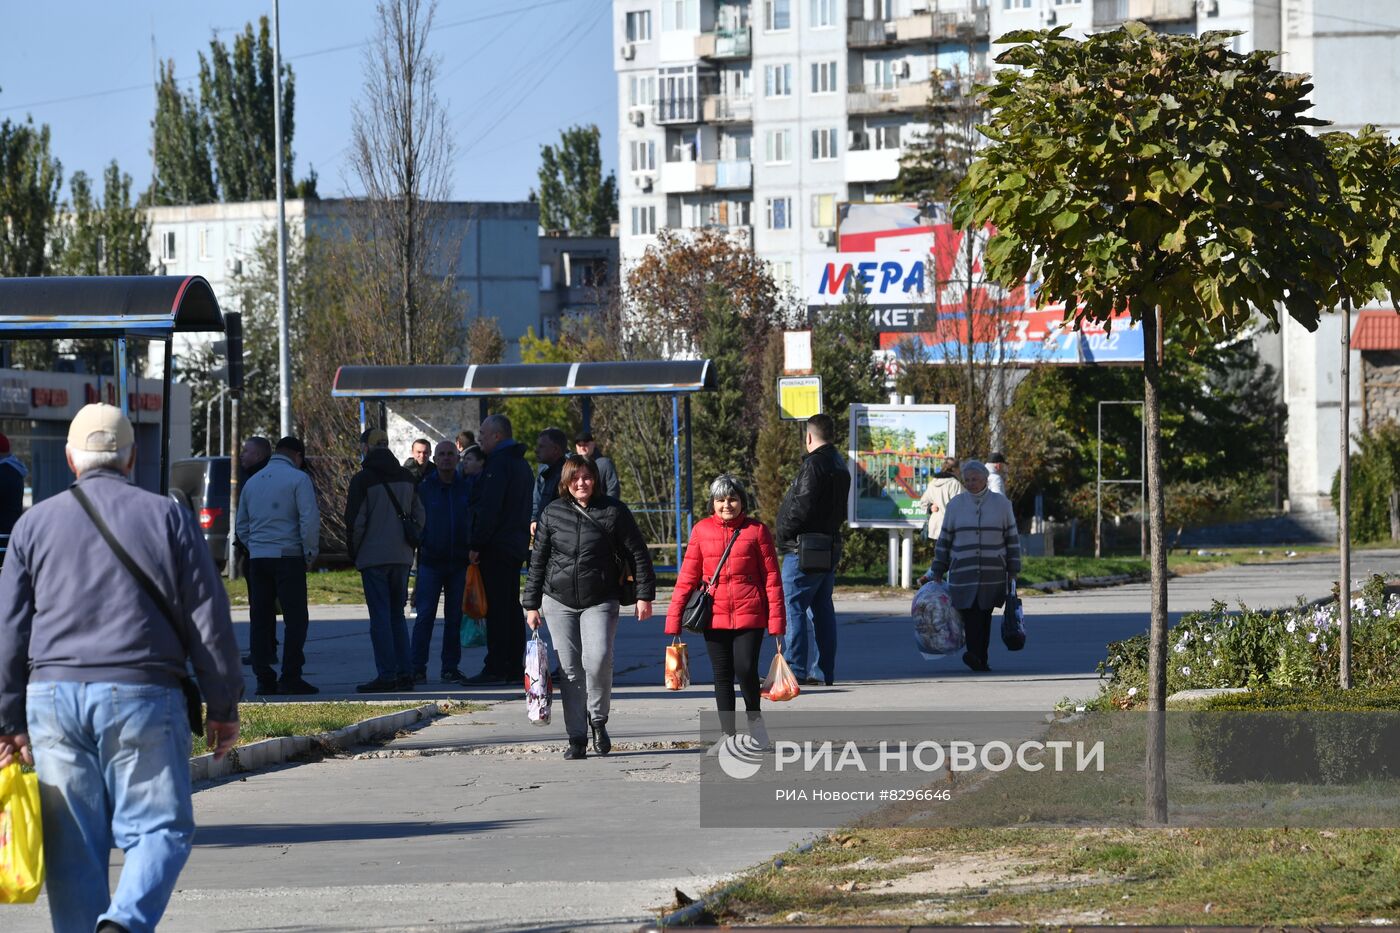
[505,620]
[734,653]
[273,580]
[977,623]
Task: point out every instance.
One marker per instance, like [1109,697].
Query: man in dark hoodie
[442,564]
[500,542]
[381,500]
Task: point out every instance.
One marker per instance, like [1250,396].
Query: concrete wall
[435,419]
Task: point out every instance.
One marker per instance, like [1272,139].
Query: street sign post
[799,397]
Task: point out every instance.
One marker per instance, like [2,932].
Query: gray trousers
[583,639]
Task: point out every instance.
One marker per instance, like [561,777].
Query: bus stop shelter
[115,308]
[680,379]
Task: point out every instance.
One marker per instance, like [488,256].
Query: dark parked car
[201,485]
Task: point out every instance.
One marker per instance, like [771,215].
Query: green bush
[1375,474]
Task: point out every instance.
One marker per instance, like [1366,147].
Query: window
[781,270]
[167,245]
[823,77]
[643,220]
[1015,4]
[680,15]
[824,144]
[885,137]
[682,146]
[546,277]
[823,13]
[640,90]
[777,80]
[203,242]
[643,155]
[779,213]
[777,15]
[639,26]
[779,146]
[737,83]
[823,210]
[881,73]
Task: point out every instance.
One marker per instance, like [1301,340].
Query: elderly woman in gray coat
[979,554]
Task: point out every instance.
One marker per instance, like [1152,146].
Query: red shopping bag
[474,596]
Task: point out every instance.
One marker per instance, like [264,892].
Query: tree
[1367,168]
[180,146]
[402,155]
[1165,175]
[574,196]
[484,341]
[723,442]
[935,162]
[237,95]
[30,181]
[779,449]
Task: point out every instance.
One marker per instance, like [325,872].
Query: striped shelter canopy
[152,306]
[631,377]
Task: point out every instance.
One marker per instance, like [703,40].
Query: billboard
[894,452]
[923,279]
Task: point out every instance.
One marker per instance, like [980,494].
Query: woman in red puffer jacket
[748,598]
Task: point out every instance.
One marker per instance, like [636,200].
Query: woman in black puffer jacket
[575,585]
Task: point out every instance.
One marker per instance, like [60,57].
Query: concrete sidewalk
[476,823]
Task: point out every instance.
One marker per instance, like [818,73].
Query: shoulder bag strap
[596,524]
[142,579]
[393,499]
[723,557]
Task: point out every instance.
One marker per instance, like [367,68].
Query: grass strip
[260,721]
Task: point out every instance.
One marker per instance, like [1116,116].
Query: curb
[275,751]
[1087,583]
[692,912]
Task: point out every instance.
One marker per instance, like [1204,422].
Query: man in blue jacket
[442,564]
[280,525]
[500,542]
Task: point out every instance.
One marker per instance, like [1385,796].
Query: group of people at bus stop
[97,629]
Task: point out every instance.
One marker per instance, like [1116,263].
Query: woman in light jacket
[748,598]
[574,588]
[979,553]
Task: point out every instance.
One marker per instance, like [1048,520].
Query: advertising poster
[894,452]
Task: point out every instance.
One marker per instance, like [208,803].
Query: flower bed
[1296,648]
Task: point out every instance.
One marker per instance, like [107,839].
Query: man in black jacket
[500,542]
[814,504]
[550,449]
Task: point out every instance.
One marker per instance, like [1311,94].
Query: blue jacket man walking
[500,542]
[442,564]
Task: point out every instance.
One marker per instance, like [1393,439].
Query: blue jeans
[434,582]
[386,591]
[808,595]
[113,764]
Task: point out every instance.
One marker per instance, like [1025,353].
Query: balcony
[674,110]
[720,108]
[680,178]
[731,174]
[1110,13]
[940,27]
[868,33]
[906,98]
[723,44]
[866,165]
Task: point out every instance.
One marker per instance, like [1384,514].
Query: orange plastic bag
[779,685]
[21,836]
[474,596]
[677,666]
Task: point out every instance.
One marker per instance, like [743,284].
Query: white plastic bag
[538,689]
[938,629]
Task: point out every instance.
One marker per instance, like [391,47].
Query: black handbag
[626,574]
[412,531]
[814,552]
[1013,621]
[698,614]
[194,703]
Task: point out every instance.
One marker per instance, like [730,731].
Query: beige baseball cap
[375,437]
[100,427]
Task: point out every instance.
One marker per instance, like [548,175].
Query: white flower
[1291,627]
[1079,709]
[1312,638]
[1132,691]
[1186,672]
[1207,636]
[1215,663]
[1358,604]
[1324,646]
[1180,649]
[1375,613]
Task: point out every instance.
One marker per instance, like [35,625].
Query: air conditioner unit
[901,69]
[1051,18]
[628,51]
[645,182]
[827,237]
[637,116]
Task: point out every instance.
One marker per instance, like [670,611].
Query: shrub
[1375,474]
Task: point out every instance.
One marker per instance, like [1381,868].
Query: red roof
[1376,330]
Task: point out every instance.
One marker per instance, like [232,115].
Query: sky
[513,74]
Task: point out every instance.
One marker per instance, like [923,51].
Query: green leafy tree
[183,173]
[844,341]
[1165,175]
[530,416]
[573,194]
[236,90]
[778,451]
[30,181]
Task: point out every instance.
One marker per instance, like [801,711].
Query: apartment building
[761,116]
[496,264]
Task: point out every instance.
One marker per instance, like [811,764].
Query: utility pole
[284,350]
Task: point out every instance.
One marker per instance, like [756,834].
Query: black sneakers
[382,685]
[295,686]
